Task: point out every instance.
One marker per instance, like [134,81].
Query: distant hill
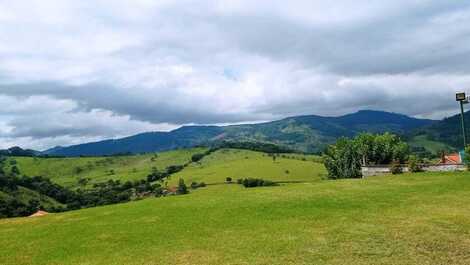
[17,151]
[447,131]
[303,133]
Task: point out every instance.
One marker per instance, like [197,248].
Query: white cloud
[96,69]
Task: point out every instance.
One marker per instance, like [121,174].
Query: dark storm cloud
[79,71]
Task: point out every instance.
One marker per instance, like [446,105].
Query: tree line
[109,192]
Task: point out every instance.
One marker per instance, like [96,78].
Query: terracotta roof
[452,159]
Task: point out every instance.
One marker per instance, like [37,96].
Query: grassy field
[242,164]
[67,171]
[408,219]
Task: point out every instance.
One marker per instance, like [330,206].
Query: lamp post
[462,98]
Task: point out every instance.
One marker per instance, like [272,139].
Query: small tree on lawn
[182,188]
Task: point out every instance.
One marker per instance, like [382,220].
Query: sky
[80,71]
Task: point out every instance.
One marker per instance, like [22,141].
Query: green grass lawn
[67,171]
[408,219]
[242,164]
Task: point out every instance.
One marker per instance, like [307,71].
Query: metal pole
[463,125]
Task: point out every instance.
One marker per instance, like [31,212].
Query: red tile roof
[452,159]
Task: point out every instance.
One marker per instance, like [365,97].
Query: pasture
[407,219]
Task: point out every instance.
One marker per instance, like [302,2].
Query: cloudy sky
[78,71]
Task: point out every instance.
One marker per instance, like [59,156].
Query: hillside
[69,171]
[408,219]
[447,131]
[304,133]
[238,164]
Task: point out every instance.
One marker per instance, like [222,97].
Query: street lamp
[462,98]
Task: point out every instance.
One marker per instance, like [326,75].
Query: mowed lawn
[238,164]
[67,171]
[408,219]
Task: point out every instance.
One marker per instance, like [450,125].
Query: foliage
[466,158]
[182,188]
[413,164]
[367,220]
[254,182]
[269,148]
[344,159]
[396,168]
[197,157]
[228,180]
[196,185]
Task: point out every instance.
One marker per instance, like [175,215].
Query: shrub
[195,185]
[253,182]
[228,180]
[396,168]
[15,170]
[413,164]
[466,158]
[197,157]
[182,188]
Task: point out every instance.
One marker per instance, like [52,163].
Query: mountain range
[308,134]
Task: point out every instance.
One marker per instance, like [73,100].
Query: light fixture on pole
[462,98]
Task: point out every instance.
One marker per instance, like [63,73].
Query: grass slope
[242,164]
[65,171]
[407,219]
[431,146]
[24,195]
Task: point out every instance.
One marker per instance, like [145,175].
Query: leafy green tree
[345,158]
[342,160]
[182,188]
[15,170]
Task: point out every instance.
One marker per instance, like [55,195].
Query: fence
[379,170]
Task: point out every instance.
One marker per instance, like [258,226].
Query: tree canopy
[344,159]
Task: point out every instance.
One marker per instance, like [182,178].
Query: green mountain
[303,133]
[444,133]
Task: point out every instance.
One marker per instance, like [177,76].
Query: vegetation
[253,182]
[396,168]
[344,159]
[421,218]
[103,193]
[466,158]
[305,134]
[426,148]
[70,172]
[237,164]
[414,164]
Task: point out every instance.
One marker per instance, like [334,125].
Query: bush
[182,188]
[466,158]
[228,180]
[197,157]
[396,168]
[195,185]
[413,164]
[253,182]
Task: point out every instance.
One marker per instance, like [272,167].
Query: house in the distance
[452,159]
